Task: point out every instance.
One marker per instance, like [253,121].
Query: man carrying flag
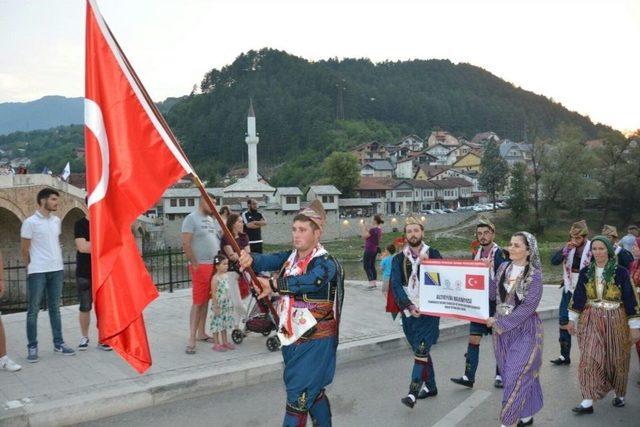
[132,157]
[310,283]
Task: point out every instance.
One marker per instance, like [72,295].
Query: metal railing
[168,269]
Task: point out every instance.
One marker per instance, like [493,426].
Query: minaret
[252,144]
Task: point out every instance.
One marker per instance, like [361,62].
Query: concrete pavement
[367,393]
[94,384]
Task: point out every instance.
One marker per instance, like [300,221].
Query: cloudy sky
[582,53]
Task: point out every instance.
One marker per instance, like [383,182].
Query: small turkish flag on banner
[474,281]
[132,158]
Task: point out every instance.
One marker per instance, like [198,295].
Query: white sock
[619,397]
[498,377]
[586,403]
[561,357]
[526,420]
[464,377]
[4,358]
[425,388]
[412,397]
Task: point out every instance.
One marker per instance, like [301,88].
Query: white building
[288,198]
[412,142]
[327,194]
[378,168]
[404,168]
[516,152]
[445,154]
[177,203]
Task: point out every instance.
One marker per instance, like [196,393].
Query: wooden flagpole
[198,182]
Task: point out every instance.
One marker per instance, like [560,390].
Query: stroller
[260,321]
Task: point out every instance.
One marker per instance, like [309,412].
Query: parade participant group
[599,304]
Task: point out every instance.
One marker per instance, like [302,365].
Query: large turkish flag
[131,158]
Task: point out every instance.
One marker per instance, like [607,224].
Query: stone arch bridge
[18,202]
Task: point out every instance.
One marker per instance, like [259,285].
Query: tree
[538,159]
[493,177]
[613,171]
[519,192]
[565,181]
[342,170]
[628,202]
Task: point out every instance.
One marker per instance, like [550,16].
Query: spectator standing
[201,242]
[371,236]
[83,281]
[41,252]
[224,214]
[385,266]
[253,223]
[238,289]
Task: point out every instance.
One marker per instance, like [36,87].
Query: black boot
[425,394]
[565,349]
[462,381]
[408,401]
[581,410]
[618,402]
[561,361]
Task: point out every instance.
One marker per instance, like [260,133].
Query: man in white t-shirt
[41,252]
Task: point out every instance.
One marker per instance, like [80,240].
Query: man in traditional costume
[421,330]
[574,256]
[310,283]
[518,333]
[625,258]
[605,308]
[487,251]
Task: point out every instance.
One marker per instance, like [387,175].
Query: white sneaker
[84,344]
[9,365]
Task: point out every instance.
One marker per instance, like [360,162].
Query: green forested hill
[297,102]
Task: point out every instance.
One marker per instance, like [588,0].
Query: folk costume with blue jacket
[311,290]
[422,332]
[472,356]
[572,260]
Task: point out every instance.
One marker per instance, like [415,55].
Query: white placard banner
[455,288]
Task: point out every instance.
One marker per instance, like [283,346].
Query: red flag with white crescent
[131,158]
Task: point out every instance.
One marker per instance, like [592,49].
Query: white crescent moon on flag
[472,282]
[94,122]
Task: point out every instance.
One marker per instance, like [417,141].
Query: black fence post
[170,272]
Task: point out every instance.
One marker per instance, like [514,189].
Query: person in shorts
[201,242]
[83,281]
